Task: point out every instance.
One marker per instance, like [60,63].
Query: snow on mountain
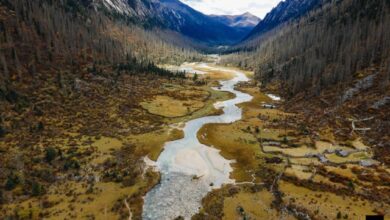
[245,20]
[118,5]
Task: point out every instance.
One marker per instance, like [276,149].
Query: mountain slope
[176,16]
[283,12]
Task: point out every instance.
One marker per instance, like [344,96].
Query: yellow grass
[97,204]
[352,158]
[347,172]
[305,161]
[183,103]
[216,74]
[103,200]
[292,152]
[169,107]
[358,144]
[299,171]
[326,205]
[208,109]
[256,206]
[107,144]
[324,180]
[304,150]
[247,73]
[152,144]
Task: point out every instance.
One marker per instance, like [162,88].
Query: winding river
[179,193]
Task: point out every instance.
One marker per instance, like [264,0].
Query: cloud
[233,7]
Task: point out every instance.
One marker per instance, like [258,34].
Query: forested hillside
[327,47]
[45,43]
[175,16]
[331,64]
[44,31]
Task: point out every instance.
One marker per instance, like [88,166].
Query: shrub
[303,129]
[351,185]
[285,140]
[1,197]
[12,181]
[338,215]
[195,77]
[40,127]
[46,175]
[37,189]
[51,154]
[71,164]
[2,131]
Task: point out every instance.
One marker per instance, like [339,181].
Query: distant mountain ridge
[177,16]
[244,22]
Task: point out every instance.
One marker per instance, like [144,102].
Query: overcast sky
[233,7]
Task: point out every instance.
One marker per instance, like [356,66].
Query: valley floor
[101,141]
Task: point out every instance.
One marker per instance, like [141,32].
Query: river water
[179,193]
